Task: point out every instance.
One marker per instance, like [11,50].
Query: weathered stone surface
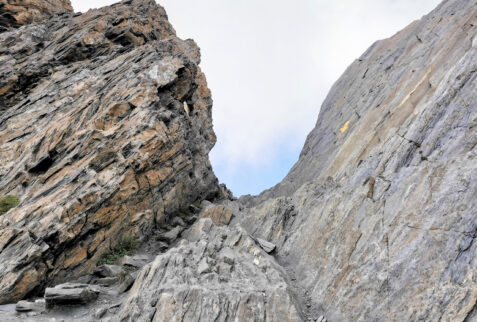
[220,215]
[70,294]
[38,306]
[171,235]
[220,274]
[105,127]
[267,246]
[377,220]
[126,283]
[137,261]
[106,281]
[94,138]
[14,13]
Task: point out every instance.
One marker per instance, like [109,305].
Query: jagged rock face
[105,127]
[105,130]
[14,13]
[215,274]
[378,217]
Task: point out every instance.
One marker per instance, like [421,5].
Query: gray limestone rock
[267,246]
[68,294]
[126,282]
[108,270]
[105,124]
[38,306]
[94,139]
[99,313]
[192,283]
[136,261]
[377,219]
[171,235]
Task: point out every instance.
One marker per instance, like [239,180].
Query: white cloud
[84,5]
[270,64]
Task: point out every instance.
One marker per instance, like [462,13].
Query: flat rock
[70,294]
[171,235]
[27,306]
[106,281]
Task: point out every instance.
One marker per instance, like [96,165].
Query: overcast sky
[270,64]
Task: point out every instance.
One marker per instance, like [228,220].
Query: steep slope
[105,130]
[382,93]
[377,220]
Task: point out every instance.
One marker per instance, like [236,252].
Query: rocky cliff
[378,217]
[105,128]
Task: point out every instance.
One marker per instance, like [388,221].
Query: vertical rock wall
[378,218]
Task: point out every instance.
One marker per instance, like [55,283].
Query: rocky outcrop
[378,217]
[14,13]
[105,131]
[105,128]
[215,274]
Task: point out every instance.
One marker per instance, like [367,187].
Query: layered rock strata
[378,217]
[14,13]
[216,273]
[105,130]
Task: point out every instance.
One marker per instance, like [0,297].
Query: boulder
[70,294]
[38,306]
[171,235]
[267,246]
[126,282]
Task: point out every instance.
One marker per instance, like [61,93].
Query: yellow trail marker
[345,127]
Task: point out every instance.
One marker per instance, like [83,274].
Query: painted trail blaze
[345,127]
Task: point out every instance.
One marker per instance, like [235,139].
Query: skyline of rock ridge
[105,132]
